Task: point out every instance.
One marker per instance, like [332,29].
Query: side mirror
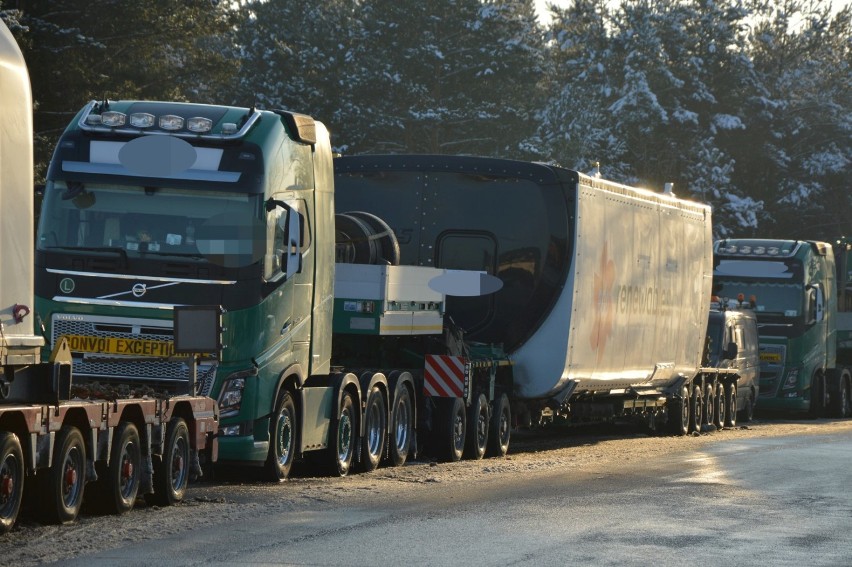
[732,350]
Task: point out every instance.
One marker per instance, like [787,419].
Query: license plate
[115,345]
[770,357]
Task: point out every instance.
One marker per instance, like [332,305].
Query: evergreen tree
[81,50]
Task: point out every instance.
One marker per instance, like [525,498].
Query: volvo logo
[139,290]
[66,285]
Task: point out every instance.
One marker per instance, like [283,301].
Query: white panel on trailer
[16,198]
[634,307]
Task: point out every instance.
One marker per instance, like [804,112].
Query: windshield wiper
[114,249]
[196,255]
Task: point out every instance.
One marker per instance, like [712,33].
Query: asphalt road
[729,501]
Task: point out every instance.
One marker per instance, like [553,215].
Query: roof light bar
[199,124]
[112,119]
[171,122]
[142,119]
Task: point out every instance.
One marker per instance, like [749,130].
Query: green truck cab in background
[803,318]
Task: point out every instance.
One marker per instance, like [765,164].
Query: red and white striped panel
[444,376]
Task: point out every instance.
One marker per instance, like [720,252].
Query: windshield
[772,297]
[220,227]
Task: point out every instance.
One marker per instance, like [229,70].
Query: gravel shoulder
[546,451]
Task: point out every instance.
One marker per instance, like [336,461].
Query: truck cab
[733,342]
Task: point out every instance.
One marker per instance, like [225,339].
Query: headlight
[792,379]
[231,397]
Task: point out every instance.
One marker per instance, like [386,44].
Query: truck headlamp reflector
[199,124]
[792,379]
[171,122]
[231,397]
[111,118]
[141,120]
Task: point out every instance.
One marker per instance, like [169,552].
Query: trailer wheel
[678,417]
[375,430]
[719,406]
[500,428]
[402,426]
[282,439]
[171,474]
[451,429]
[121,484]
[11,480]
[696,407]
[477,422]
[839,402]
[731,405]
[343,433]
[61,487]
[709,403]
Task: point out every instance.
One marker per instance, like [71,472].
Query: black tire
[747,413]
[401,431]
[720,409]
[124,473]
[451,429]
[696,408]
[283,437]
[709,414]
[839,403]
[171,473]
[500,428]
[61,487]
[343,435]
[11,480]
[679,414]
[477,424]
[731,405]
[375,430]
[817,408]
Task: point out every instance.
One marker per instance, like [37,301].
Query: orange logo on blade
[602,326]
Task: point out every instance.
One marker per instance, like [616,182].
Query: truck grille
[159,374]
[771,369]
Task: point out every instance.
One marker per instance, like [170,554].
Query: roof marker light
[171,122]
[93,119]
[199,124]
[141,119]
[229,128]
[112,118]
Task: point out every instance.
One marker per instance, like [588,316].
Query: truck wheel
[282,439]
[500,428]
[477,421]
[709,403]
[678,418]
[696,407]
[817,408]
[839,402]
[61,487]
[719,407]
[731,405]
[121,484]
[402,426]
[171,474]
[747,413]
[11,480]
[451,428]
[375,430]
[343,435]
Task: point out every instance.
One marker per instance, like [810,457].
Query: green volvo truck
[804,319]
[371,308]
